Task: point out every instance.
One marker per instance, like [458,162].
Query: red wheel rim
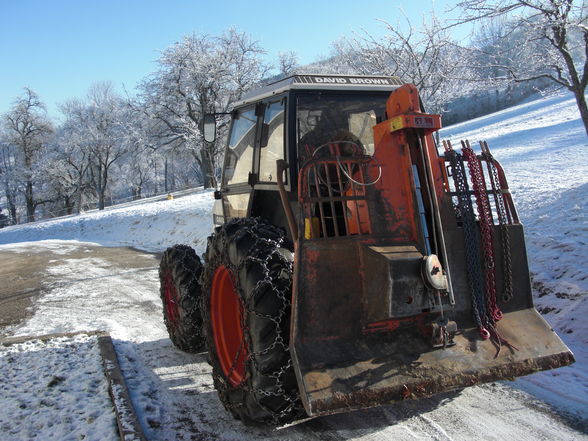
[226,312]
[171,299]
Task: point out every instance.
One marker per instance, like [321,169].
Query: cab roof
[322,82]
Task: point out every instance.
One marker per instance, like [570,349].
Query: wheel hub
[171,299]
[226,312]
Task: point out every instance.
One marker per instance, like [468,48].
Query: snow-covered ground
[543,148]
[148,224]
[43,384]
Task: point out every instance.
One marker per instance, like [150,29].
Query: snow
[542,147]
[43,385]
[145,224]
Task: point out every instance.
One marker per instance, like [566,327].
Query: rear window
[323,118]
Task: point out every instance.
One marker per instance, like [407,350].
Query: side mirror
[209,129]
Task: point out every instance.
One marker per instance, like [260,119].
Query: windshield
[323,118]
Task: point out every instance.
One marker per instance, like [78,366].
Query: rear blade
[344,374]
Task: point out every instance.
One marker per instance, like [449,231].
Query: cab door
[272,143]
[238,174]
[256,142]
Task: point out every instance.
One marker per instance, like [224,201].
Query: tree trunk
[30,202]
[68,204]
[582,107]
[12,209]
[103,179]
[79,194]
[165,177]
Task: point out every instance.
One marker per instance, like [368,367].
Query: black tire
[179,274]
[259,259]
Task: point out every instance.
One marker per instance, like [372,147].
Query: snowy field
[544,150]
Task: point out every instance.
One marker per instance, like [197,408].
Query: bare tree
[28,128]
[287,63]
[9,177]
[197,75]
[426,57]
[73,156]
[553,43]
[96,136]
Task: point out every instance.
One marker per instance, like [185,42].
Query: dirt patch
[24,273]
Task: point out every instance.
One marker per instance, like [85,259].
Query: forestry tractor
[354,261]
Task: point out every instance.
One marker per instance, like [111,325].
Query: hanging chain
[485,216]
[472,239]
[503,217]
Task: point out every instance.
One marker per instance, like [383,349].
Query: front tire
[179,273]
[247,283]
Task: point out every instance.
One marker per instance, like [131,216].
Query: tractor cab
[288,120]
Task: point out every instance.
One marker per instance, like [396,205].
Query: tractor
[355,261]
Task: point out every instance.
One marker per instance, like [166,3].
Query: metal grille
[332,189]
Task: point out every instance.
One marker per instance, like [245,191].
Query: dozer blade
[340,375]
[340,368]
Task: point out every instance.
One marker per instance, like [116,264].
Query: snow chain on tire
[179,273]
[259,258]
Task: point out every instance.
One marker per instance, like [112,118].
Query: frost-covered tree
[95,137]
[71,160]
[137,171]
[425,57]
[106,118]
[27,128]
[287,63]
[9,179]
[139,175]
[552,41]
[62,183]
[492,48]
[198,75]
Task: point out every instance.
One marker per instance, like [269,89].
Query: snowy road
[87,287]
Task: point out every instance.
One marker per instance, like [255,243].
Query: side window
[274,150]
[239,156]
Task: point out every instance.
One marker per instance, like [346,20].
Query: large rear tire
[179,273]
[247,283]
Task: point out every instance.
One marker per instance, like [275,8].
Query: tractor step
[338,375]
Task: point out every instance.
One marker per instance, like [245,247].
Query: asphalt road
[24,276]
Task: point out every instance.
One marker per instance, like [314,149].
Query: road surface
[57,286]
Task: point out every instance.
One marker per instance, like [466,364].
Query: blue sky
[59,48]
